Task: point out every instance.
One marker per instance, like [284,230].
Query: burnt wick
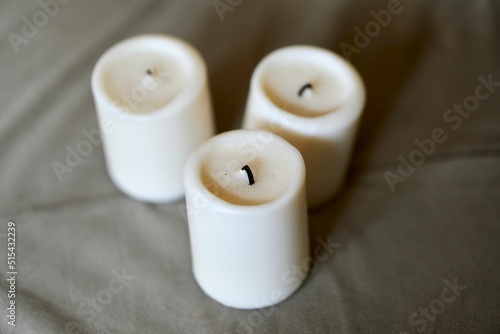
[149,71]
[247,169]
[303,88]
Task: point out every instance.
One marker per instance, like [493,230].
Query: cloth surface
[423,258]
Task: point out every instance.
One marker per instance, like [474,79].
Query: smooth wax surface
[283,82]
[272,167]
[143,81]
[320,120]
[246,240]
[153,103]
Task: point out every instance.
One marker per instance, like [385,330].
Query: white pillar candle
[152,100]
[247,215]
[314,99]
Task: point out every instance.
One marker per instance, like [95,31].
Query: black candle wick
[149,72]
[303,88]
[247,169]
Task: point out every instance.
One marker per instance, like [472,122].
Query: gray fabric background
[394,250]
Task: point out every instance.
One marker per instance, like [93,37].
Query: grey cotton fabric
[422,257]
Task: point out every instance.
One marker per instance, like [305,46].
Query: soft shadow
[385,67]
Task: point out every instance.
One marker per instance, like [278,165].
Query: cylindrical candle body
[247,240]
[153,104]
[314,99]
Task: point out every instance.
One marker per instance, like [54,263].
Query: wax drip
[303,88]
[247,169]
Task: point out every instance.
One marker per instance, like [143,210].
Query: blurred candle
[314,99]
[247,215]
[151,95]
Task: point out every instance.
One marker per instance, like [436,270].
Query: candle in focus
[247,215]
[314,99]
[151,92]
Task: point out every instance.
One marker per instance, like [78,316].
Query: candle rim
[193,166]
[337,117]
[191,59]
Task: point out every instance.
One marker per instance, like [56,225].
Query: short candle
[247,215]
[153,104]
[314,99]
